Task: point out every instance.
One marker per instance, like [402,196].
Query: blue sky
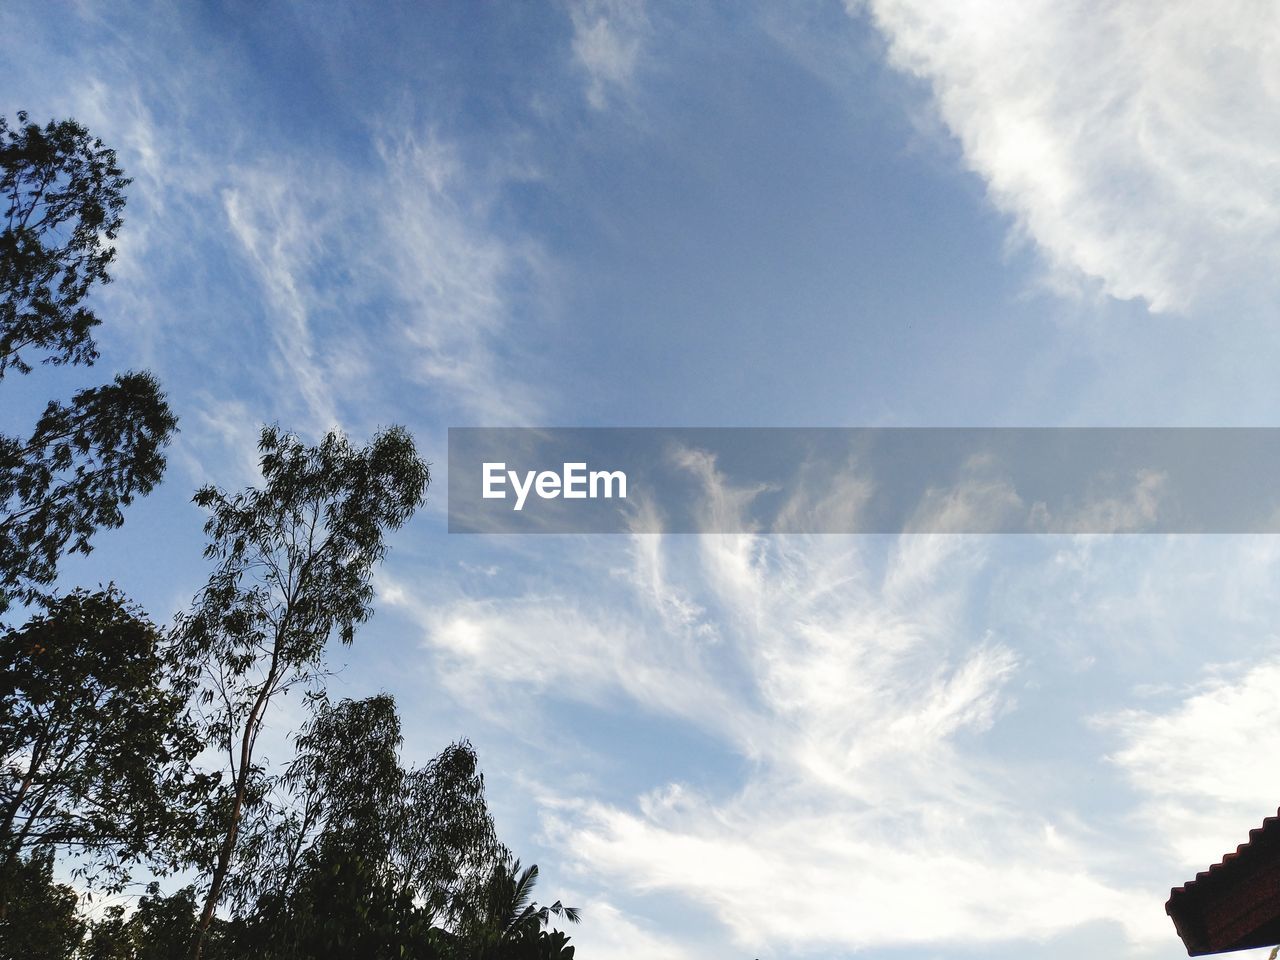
[599,212]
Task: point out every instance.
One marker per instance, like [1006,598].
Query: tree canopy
[293,566]
[127,746]
[64,197]
[85,460]
[81,465]
[96,739]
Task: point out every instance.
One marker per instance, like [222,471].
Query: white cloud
[1204,765]
[790,871]
[867,822]
[450,278]
[225,433]
[1133,142]
[608,933]
[873,814]
[548,644]
[279,235]
[608,36]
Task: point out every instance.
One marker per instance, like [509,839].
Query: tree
[446,845]
[63,195]
[81,465]
[95,738]
[353,856]
[341,789]
[294,560]
[362,857]
[42,920]
[505,923]
[159,928]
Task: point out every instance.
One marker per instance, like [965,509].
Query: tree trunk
[233,830]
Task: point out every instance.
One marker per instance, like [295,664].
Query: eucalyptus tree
[358,855]
[64,196]
[154,927]
[293,565]
[82,464]
[339,793]
[62,192]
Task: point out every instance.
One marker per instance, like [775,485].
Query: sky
[637,213]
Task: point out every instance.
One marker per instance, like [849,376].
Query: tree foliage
[96,739]
[158,928]
[344,852]
[64,196]
[357,855]
[81,465]
[41,920]
[294,560]
[362,851]
[503,922]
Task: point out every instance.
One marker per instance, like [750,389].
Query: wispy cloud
[851,680]
[1133,143]
[279,235]
[608,38]
[449,280]
[286,277]
[790,871]
[388,269]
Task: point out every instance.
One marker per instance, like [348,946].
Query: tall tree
[95,739]
[63,195]
[446,847]
[294,561]
[359,856]
[157,928]
[341,790]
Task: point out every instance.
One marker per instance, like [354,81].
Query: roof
[1235,904]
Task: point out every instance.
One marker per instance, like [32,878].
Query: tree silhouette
[504,922]
[85,460]
[346,796]
[96,740]
[64,195]
[41,921]
[294,562]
